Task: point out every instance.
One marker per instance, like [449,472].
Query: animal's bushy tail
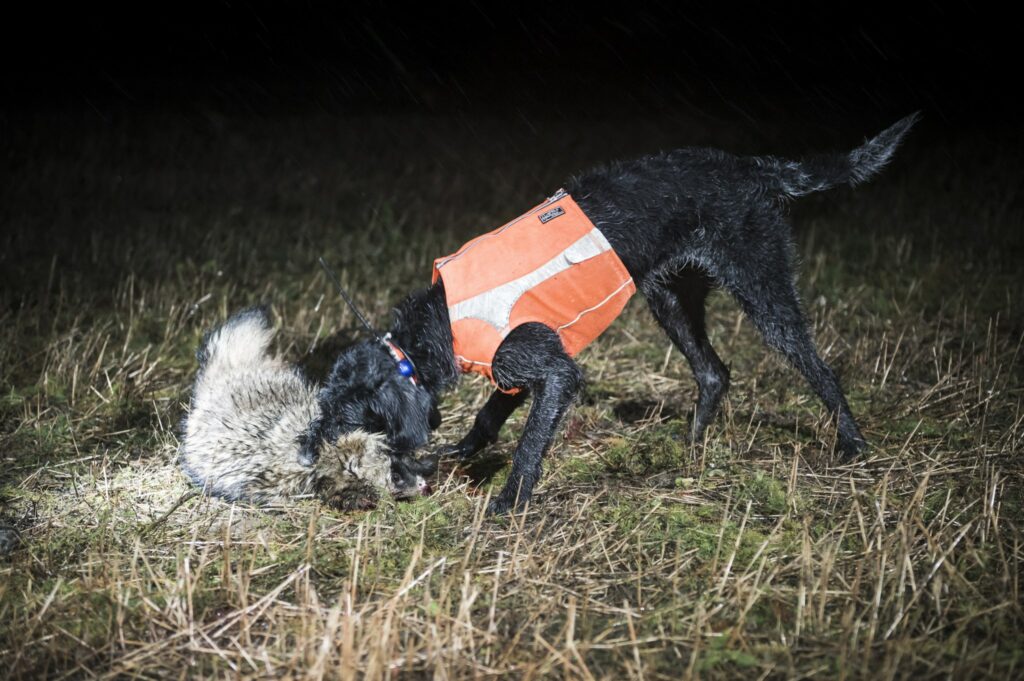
[817,173]
[240,341]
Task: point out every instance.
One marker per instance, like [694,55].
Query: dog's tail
[817,173]
[239,342]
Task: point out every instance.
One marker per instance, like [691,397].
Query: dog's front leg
[487,425]
[532,357]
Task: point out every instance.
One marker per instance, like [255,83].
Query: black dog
[681,222]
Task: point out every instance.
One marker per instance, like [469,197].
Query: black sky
[954,60]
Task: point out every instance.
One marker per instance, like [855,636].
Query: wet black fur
[682,222]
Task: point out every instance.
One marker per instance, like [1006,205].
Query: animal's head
[352,472]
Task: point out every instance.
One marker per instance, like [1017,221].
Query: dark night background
[806,64]
[216,108]
[778,80]
[480,84]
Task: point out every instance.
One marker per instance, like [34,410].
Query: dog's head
[366,392]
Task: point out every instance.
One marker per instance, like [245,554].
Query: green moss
[767,493]
[701,530]
[649,354]
[48,440]
[657,448]
[918,425]
[431,522]
[717,655]
[692,532]
[600,390]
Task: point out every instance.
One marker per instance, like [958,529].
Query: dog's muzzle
[409,475]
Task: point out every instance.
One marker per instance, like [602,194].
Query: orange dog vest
[550,265]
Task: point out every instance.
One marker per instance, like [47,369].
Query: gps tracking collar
[406,367]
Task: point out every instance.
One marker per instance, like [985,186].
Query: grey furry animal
[247,412]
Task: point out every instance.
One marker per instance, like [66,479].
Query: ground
[755,553]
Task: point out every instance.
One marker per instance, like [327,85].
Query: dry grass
[754,555]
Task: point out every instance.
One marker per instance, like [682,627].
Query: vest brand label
[548,216]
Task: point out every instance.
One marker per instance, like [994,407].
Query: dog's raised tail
[817,173]
[240,341]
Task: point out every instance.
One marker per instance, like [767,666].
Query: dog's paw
[506,503]
[500,506]
[460,451]
[851,448]
[10,538]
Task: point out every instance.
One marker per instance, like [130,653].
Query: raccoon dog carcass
[248,409]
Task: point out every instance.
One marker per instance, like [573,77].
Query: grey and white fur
[248,410]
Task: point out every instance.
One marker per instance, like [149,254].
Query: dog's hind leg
[678,306]
[487,425]
[768,297]
[532,356]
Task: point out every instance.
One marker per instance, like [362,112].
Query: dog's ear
[342,400]
[402,412]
